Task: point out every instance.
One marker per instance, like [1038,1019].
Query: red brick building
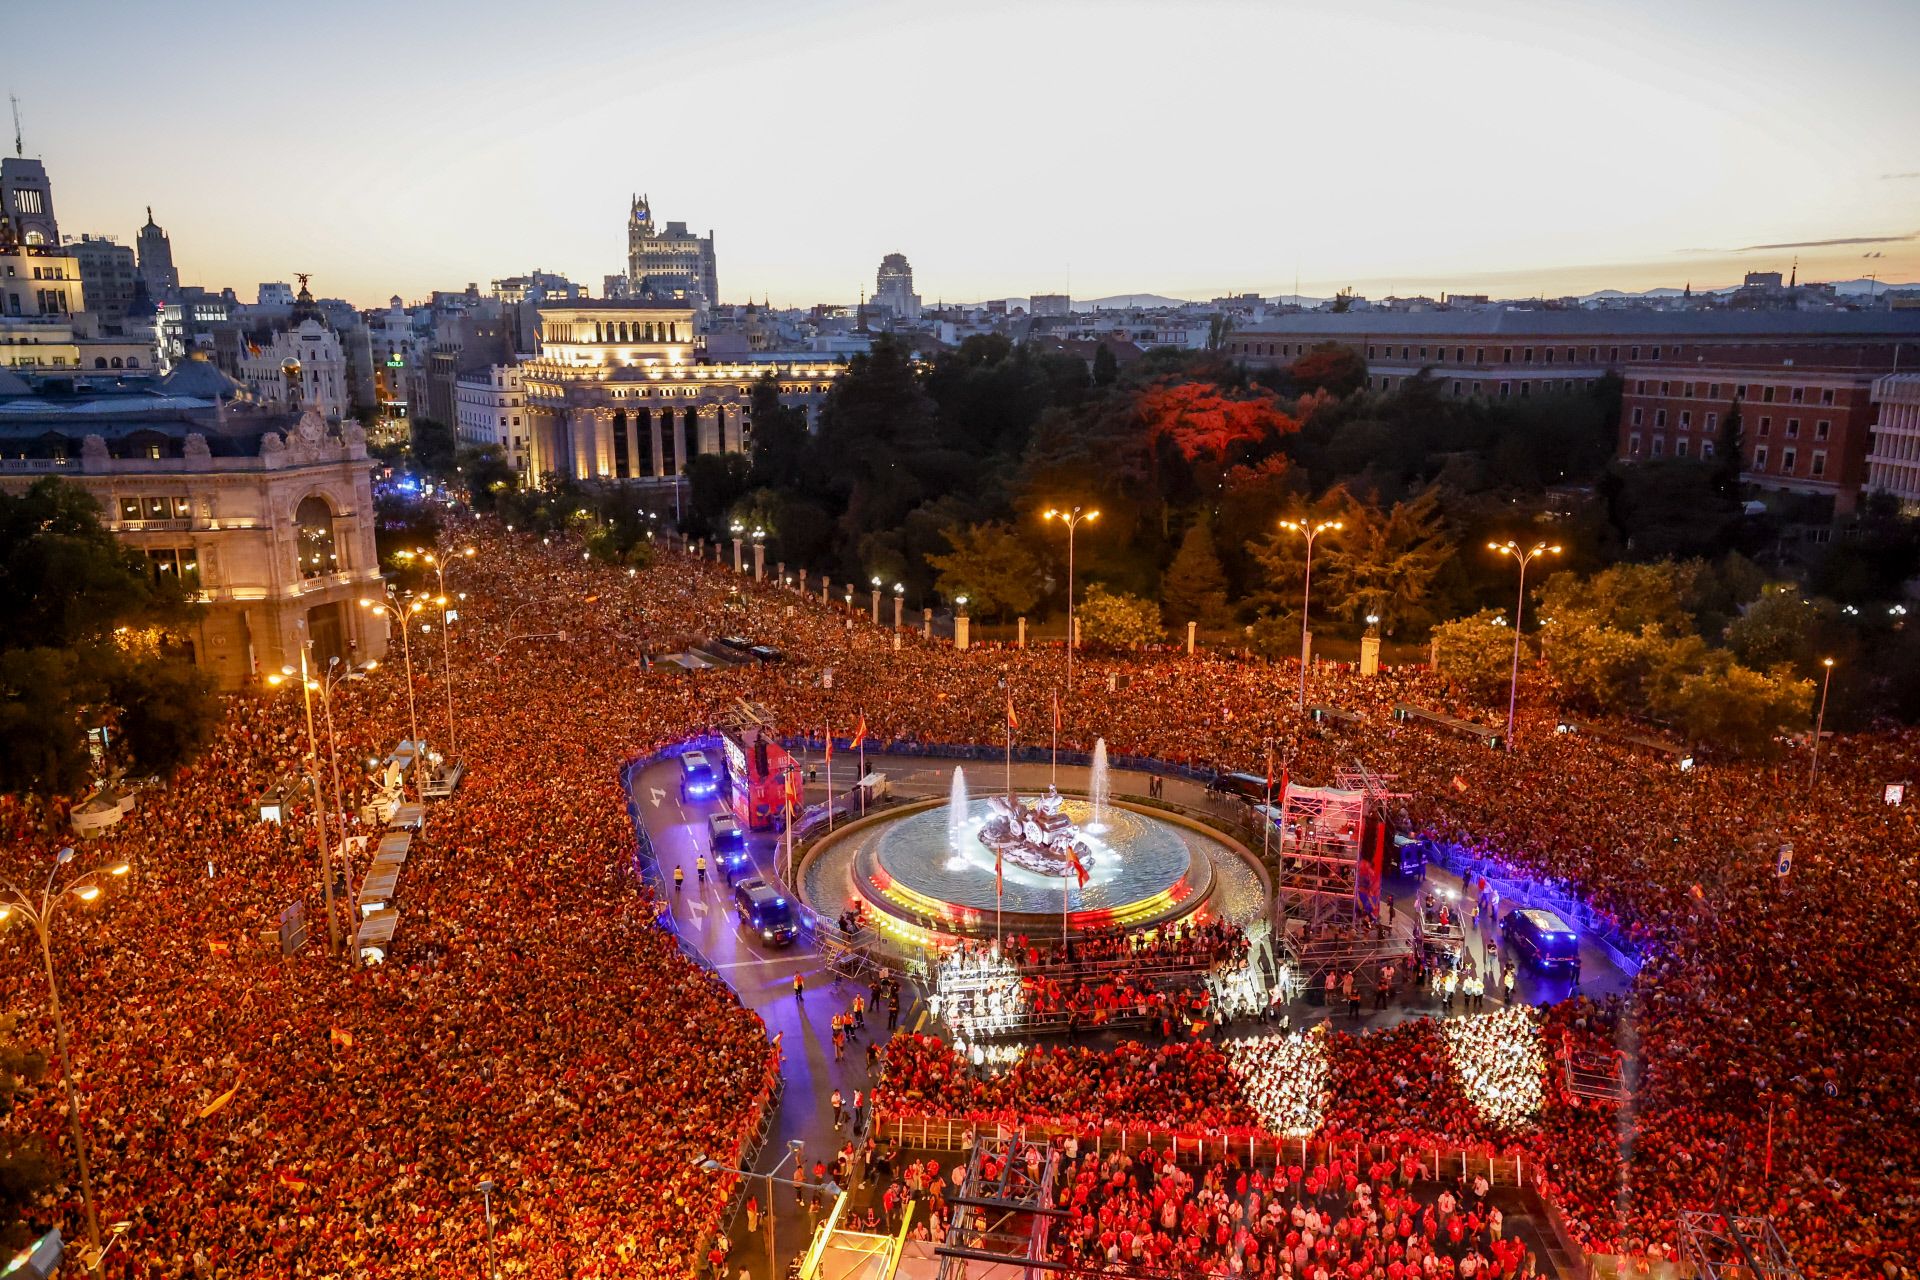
[1806,412]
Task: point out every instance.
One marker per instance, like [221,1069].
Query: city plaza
[546,1041]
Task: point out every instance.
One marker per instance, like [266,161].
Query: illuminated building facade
[266,517]
[670,265]
[621,391]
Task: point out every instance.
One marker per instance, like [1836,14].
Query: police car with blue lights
[1542,938]
[697,781]
[765,911]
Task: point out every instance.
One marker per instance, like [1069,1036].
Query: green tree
[1195,586]
[1729,454]
[1384,562]
[433,446]
[1730,706]
[716,482]
[1117,621]
[780,440]
[992,566]
[487,474]
[1783,625]
[1106,368]
[1476,654]
[88,638]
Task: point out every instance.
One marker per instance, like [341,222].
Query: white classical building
[490,407]
[266,517]
[298,369]
[623,391]
[1893,464]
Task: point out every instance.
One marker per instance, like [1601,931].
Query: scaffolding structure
[1327,898]
[1003,1210]
[1735,1246]
[1590,1076]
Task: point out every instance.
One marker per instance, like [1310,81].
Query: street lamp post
[486,1189]
[438,562]
[1072,518]
[1820,720]
[759,555]
[707,1164]
[307,686]
[876,600]
[736,529]
[1310,532]
[395,611]
[41,915]
[1523,558]
[899,604]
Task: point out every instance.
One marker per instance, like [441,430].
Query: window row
[1741,391]
[156,507]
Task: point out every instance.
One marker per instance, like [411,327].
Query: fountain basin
[927,878]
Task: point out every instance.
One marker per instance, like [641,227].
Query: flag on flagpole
[218,1102]
[1079,868]
[829,757]
[340,1039]
[1013,721]
[999,883]
[859,731]
[1056,713]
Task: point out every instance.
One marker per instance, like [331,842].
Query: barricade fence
[1522,890]
[955,1133]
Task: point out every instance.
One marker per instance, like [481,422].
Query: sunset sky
[1103,147]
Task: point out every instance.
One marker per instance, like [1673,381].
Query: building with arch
[266,517]
[622,391]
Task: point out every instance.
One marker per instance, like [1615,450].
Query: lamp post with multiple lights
[1310,532]
[307,686]
[438,561]
[397,610]
[1072,518]
[41,912]
[1523,558]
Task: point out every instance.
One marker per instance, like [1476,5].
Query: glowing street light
[876,599]
[1819,721]
[1523,558]
[40,913]
[1310,532]
[1072,518]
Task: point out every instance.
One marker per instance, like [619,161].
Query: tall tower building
[670,265]
[27,198]
[893,287]
[156,261]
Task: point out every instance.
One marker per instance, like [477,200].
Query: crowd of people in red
[534,1027]
[1326,1220]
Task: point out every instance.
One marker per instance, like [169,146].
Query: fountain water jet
[957,812]
[1097,786]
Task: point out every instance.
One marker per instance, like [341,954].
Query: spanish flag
[1459,783]
[1013,721]
[291,1179]
[340,1039]
[1079,868]
[859,732]
[220,946]
[207,1111]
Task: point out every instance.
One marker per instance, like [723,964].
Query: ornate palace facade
[621,390]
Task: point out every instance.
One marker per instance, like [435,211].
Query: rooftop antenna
[18,148]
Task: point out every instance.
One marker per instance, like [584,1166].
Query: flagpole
[788,788]
[862,744]
[1009,746]
[1055,780]
[1266,819]
[829,776]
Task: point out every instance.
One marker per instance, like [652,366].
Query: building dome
[196,378]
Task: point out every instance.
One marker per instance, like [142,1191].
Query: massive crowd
[536,1028]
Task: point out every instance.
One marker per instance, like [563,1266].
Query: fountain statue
[1097,786]
[1037,837]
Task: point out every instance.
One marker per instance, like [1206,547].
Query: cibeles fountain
[936,870]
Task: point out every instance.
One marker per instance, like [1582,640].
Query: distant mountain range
[1117,301]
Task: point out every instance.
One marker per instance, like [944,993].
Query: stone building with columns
[622,390]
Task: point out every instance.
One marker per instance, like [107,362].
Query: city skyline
[1502,151]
